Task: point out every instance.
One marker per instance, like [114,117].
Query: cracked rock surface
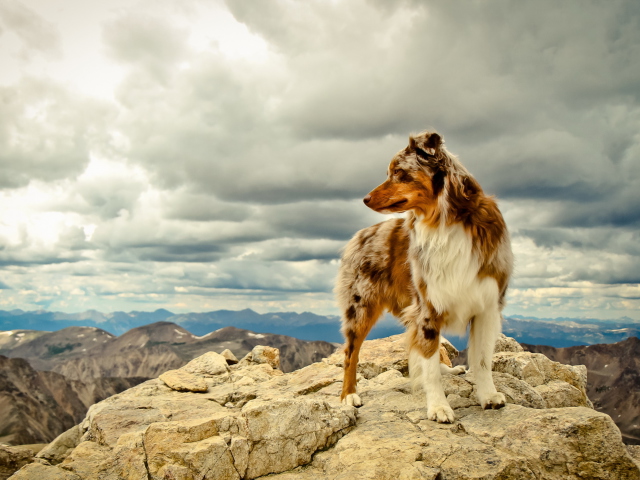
[256,422]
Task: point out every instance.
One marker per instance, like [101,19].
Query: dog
[445,266]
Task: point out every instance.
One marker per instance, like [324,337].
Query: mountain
[37,406]
[45,349]
[613,379]
[86,353]
[305,326]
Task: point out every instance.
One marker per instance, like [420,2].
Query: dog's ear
[434,141]
[429,149]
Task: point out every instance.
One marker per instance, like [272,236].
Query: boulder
[229,356]
[262,355]
[209,364]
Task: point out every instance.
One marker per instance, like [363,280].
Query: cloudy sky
[199,155]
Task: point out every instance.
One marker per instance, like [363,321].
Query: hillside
[37,406]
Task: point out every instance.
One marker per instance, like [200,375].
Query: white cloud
[224,164]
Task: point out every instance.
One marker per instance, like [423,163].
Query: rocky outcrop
[254,421]
[613,381]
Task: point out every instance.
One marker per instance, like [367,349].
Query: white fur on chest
[445,259]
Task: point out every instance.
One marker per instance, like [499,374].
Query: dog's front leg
[424,363]
[438,408]
[484,332]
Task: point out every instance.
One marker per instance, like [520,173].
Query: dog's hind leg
[484,332]
[357,324]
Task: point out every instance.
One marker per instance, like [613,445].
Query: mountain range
[558,332]
[85,353]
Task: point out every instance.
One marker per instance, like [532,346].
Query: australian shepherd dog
[445,266]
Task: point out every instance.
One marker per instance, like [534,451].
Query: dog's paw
[353,400]
[441,413]
[494,400]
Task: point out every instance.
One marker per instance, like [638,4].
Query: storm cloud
[227,166]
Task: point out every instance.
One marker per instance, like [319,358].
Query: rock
[183,381]
[13,458]
[211,363]
[380,355]
[634,451]
[537,370]
[507,344]
[89,461]
[377,356]
[256,422]
[452,351]
[286,433]
[229,356]
[557,393]
[61,446]
[444,356]
[557,443]
[262,355]
[519,392]
[38,471]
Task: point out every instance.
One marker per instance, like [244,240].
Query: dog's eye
[397,171]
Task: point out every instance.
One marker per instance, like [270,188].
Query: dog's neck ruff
[443,257]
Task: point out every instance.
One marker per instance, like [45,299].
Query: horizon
[558,332]
[385,318]
[196,156]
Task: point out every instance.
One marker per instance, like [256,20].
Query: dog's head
[415,177]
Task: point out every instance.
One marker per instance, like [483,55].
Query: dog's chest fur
[444,258]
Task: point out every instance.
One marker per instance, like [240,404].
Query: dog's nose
[367,199]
